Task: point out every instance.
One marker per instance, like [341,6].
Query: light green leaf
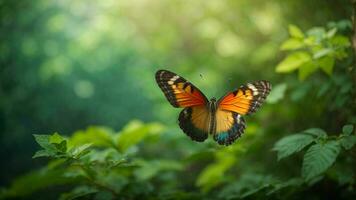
[331,33]
[319,158]
[97,135]
[316,132]
[293,62]
[135,132]
[55,138]
[294,31]
[347,129]
[150,169]
[317,32]
[80,151]
[306,69]
[292,44]
[211,175]
[292,144]
[322,52]
[277,93]
[327,64]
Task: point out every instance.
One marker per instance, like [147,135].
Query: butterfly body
[202,117]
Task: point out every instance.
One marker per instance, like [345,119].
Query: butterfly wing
[194,118]
[194,121]
[178,91]
[246,99]
[229,127]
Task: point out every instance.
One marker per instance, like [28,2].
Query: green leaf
[80,151]
[56,139]
[150,169]
[331,33]
[97,135]
[135,132]
[316,132]
[277,93]
[294,31]
[319,158]
[43,153]
[292,144]
[211,175]
[347,129]
[293,62]
[293,182]
[292,44]
[43,141]
[77,192]
[348,141]
[340,41]
[34,181]
[327,64]
[306,69]
[317,32]
[322,52]
[61,147]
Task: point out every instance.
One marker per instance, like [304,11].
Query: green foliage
[321,155]
[317,49]
[319,158]
[292,144]
[93,66]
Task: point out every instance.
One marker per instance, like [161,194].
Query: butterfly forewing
[178,91]
[246,99]
[194,118]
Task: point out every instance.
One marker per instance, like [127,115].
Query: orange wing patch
[178,91]
[229,127]
[247,99]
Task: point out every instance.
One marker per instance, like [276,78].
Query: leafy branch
[322,150]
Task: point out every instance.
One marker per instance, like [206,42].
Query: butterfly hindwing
[194,122]
[229,127]
[178,91]
[246,99]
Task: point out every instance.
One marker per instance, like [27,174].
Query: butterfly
[220,118]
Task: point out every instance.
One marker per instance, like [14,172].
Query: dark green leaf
[348,141]
[347,129]
[319,158]
[61,147]
[43,141]
[77,192]
[316,132]
[292,144]
[43,153]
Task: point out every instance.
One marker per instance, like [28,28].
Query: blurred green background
[69,64]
